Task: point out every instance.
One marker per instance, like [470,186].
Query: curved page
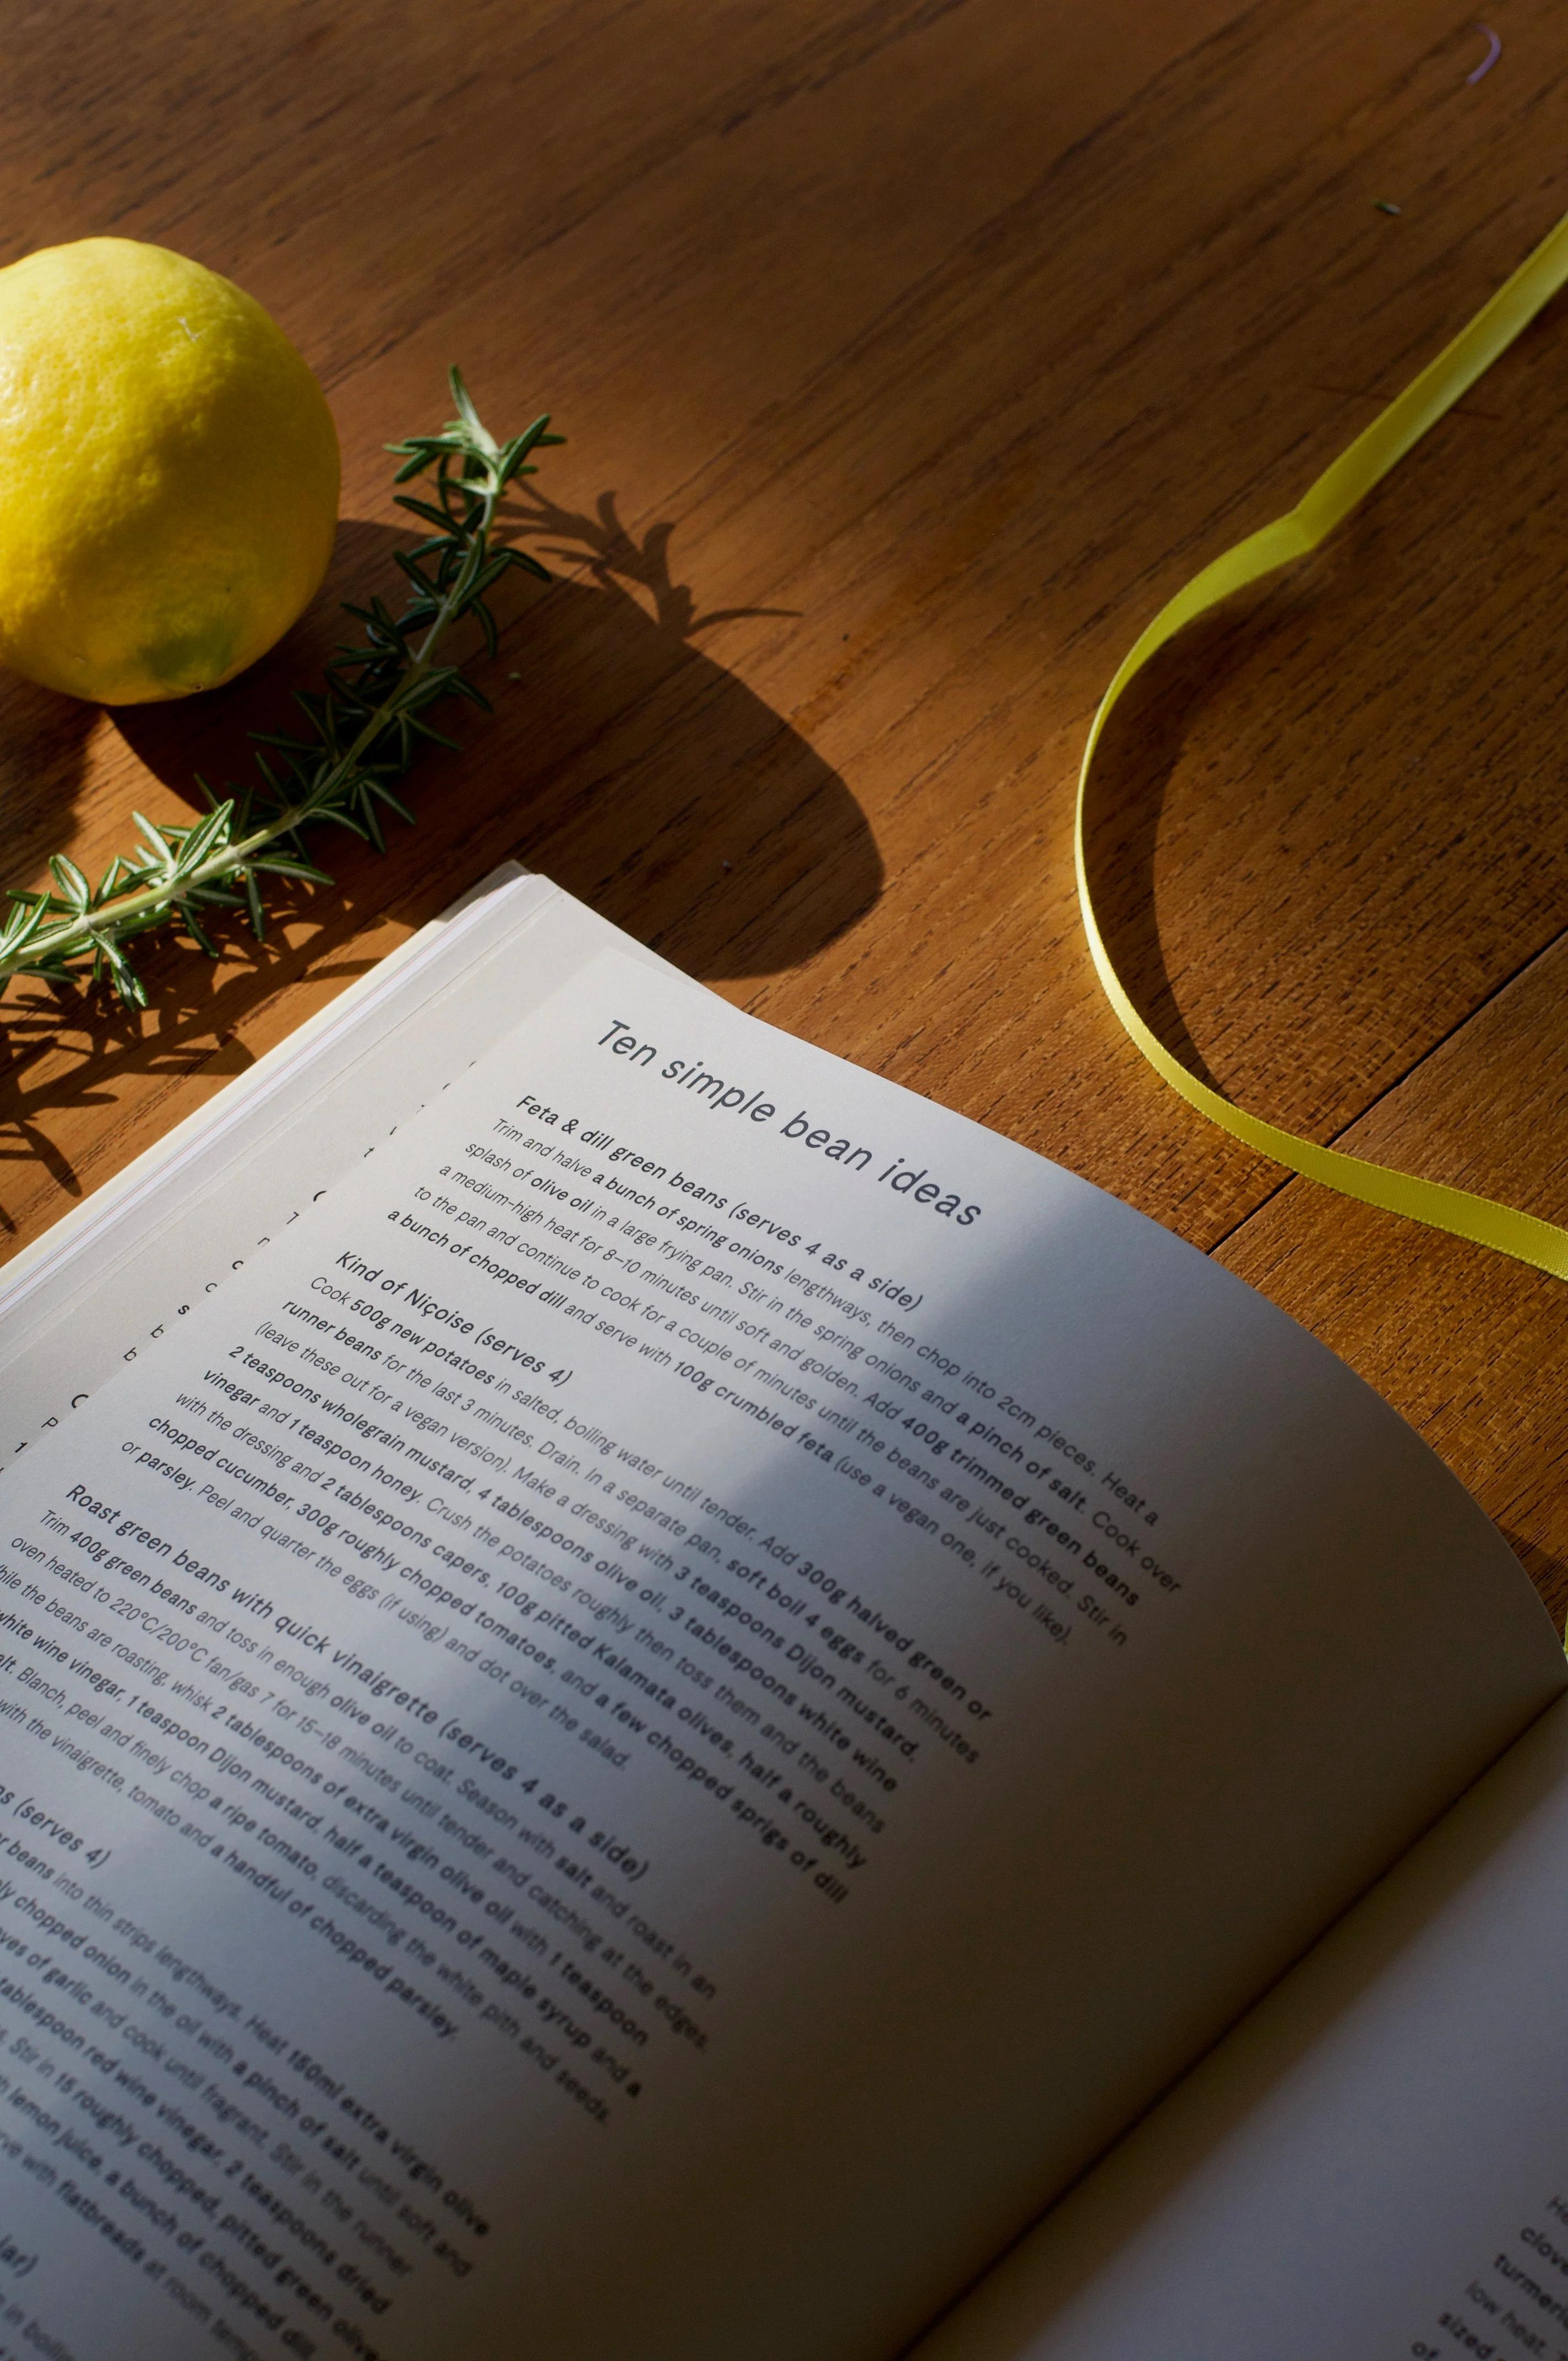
[656,1722]
[1373,2163]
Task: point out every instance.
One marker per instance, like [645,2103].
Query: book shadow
[1546,1570]
[621,760]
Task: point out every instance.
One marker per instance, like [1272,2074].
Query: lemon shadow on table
[621,760]
[43,757]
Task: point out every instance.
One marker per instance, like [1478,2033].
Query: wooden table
[911,351]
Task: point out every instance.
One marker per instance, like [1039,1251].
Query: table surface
[911,352]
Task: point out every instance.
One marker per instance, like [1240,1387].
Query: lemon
[168,474]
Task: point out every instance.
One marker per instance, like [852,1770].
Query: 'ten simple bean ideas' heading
[721,1096]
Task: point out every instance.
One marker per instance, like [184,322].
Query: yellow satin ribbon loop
[1330,500]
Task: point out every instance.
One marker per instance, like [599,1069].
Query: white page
[118,1270]
[1375,2164]
[1068,1803]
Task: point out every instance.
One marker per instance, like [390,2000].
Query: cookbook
[658,1700]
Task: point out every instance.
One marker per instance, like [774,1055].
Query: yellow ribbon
[1330,500]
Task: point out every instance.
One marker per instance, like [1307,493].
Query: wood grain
[911,351]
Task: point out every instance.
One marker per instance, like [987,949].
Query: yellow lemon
[168,474]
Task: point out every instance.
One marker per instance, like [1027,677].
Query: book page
[1375,2164]
[651,1727]
[129,1262]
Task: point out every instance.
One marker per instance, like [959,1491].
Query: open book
[649,1690]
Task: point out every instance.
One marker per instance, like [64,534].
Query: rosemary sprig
[361,733]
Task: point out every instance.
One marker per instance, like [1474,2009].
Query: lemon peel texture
[168,474]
